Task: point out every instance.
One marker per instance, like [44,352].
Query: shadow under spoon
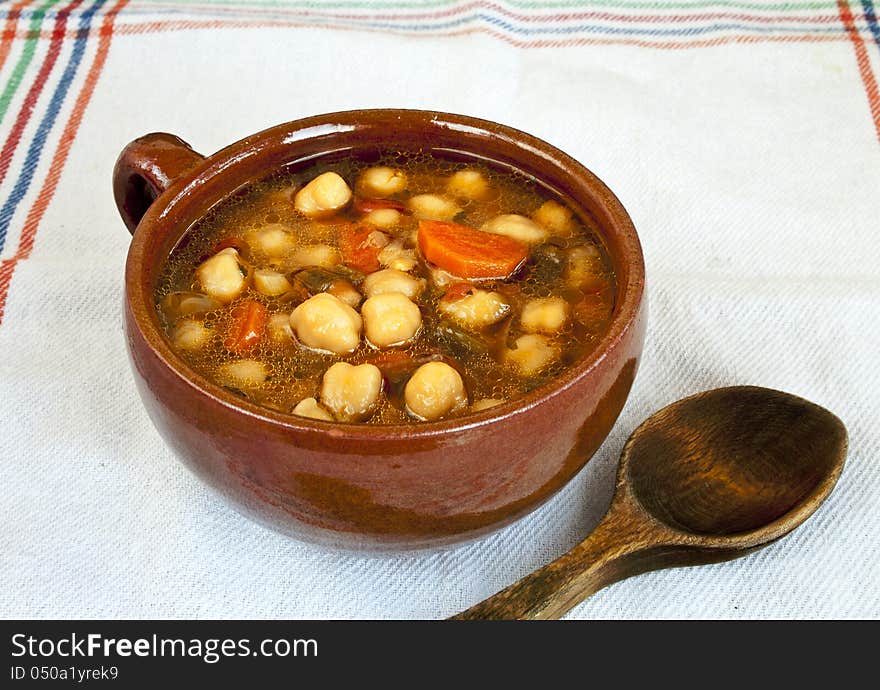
[706,479]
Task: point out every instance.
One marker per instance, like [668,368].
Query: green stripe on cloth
[557,4]
[24,60]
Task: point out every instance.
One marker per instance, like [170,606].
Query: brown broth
[296,372]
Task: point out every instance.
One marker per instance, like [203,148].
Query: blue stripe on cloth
[23,183]
[871,17]
[584,28]
[796,25]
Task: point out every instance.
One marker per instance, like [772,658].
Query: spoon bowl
[708,478]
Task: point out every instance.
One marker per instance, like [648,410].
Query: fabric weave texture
[742,137]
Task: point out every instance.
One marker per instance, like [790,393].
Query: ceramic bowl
[383,488]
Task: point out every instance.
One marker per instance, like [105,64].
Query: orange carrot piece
[359,248]
[457,291]
[365,205]
[247,327]
[469,253]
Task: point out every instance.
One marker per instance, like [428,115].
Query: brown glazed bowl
[383,488]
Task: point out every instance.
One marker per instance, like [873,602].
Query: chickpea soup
[405,289]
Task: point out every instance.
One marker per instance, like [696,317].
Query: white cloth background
[752,174]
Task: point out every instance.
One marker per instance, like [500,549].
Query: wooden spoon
[706,479]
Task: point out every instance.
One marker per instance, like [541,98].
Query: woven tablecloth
[742,137]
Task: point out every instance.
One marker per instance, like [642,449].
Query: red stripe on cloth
[196,24]
[9,31]
[550,17]
[187,25]
[6,269]
[24,114]
[50,183]
[864,64]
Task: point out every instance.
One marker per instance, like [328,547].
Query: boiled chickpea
[346,292]
[279,329]
[433,207]
[516,226]
[190,335]
[584,268]
[532,354]
[351,393]
[555,217]
[377,239]
[272,241]
[477,310]
[440,278]
[390,319]
[383,218]
[323,196]
[545,315]
[270,283]
[381,181]
[243,373]
[434,391]
[469,184]
[322,255]
[176,305]
[309,407]
[223,276]
[395,256]
[485,404]
[327,324]
[391,280]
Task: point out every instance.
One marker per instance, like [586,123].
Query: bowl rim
[143,312]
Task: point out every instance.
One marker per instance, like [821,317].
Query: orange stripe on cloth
[9,33]
[199,24]
[863,62]
[50,184]
[196,24]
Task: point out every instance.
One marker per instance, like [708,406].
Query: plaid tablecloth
[743,137]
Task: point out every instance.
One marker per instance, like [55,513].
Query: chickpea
[176,305]
[391,280]
[395,256]
[323,196]
[270,283]
[516,226]
[477,310]
[440,278]
[243,373]
[377,239]
[190,335]
[322,255]
[485,404]
[557,218]
[434,391]
[384,218]
[381,181]
[327,324]
[433,207]
[545,315]
[272,241]
[309,407]
[469,184]
[584,269]
[351,392]
[532,353]
[346,292]
[223,276]
[390,319]
[279,329]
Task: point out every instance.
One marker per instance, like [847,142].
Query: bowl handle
[145,169]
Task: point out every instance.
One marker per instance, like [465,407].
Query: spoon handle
[609,554]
